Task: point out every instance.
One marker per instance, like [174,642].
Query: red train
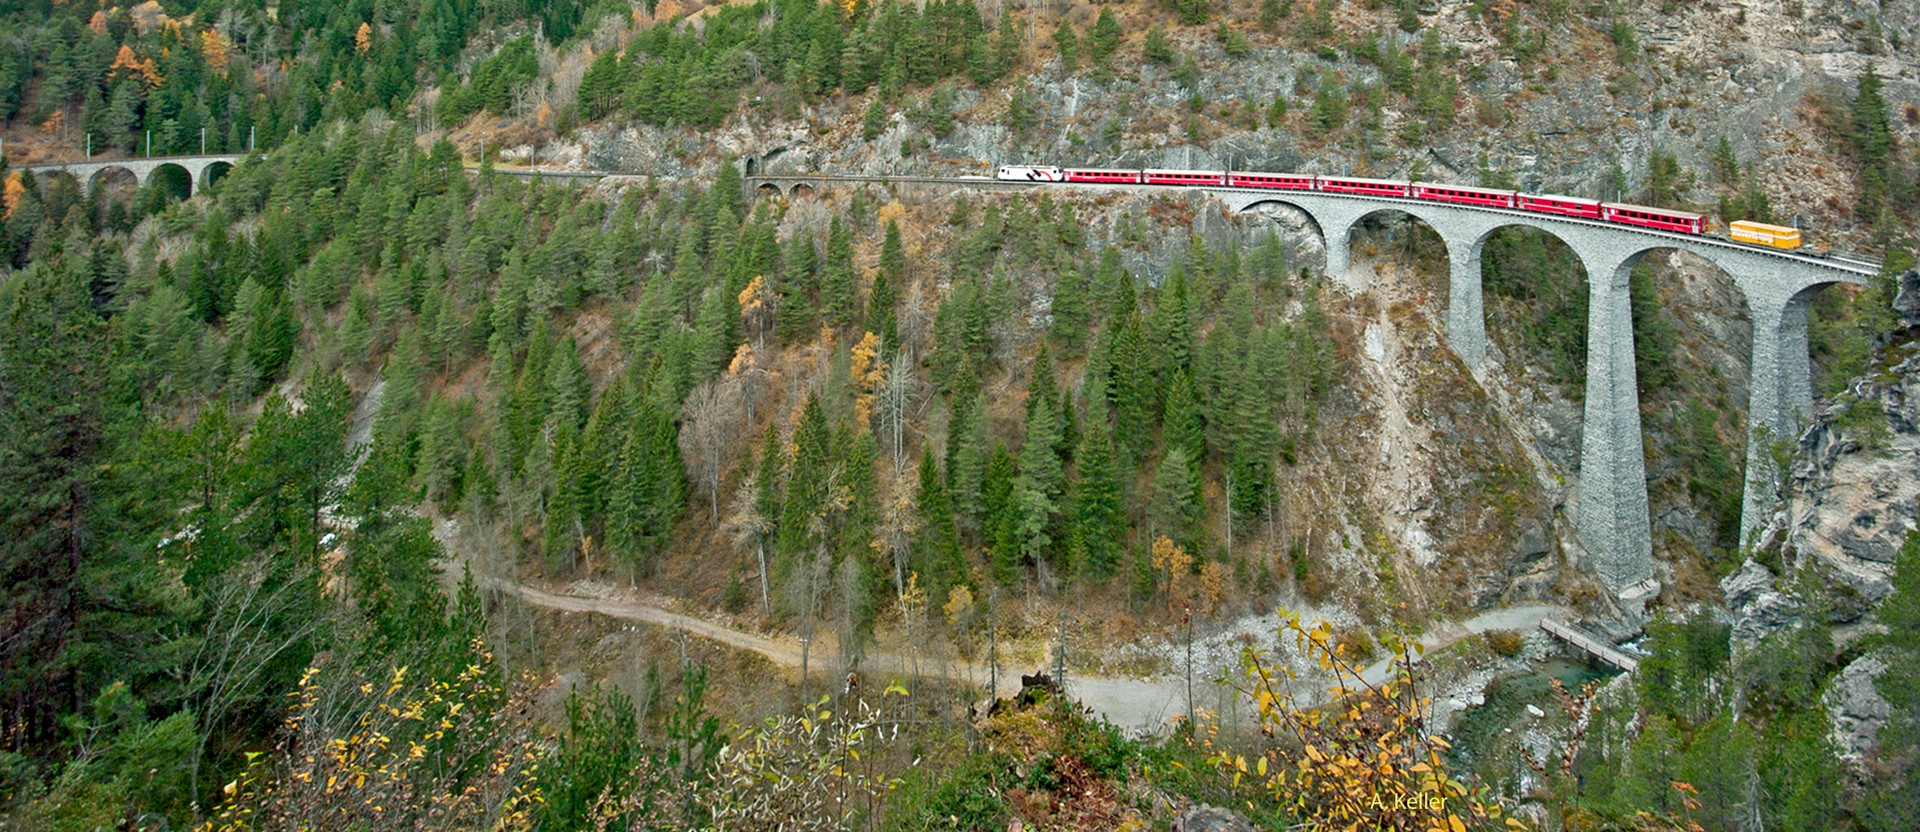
[1660,219]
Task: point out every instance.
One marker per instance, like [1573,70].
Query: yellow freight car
[1759,233]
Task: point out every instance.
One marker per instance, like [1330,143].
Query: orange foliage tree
[215,49]
[867,370]
[11,194]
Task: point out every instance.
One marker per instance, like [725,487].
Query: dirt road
[783,652]
[1140,705]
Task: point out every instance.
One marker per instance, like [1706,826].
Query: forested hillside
[276,461]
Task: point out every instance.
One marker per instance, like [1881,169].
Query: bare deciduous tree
[710,414]
[254,618]
[749,525]
[895,392]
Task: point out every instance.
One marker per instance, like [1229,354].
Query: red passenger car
[1566,206]
[1126,177]
[1285,181]
[1185,177]
[1485,197]
[1367,187]
[1664,219]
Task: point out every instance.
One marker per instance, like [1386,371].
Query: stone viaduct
[1611,511]
[201,170]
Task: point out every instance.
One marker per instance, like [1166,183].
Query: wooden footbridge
[1595,646]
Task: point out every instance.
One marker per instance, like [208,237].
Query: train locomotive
[1658,219]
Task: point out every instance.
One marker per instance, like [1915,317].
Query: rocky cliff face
[1854,492]
[1849,504]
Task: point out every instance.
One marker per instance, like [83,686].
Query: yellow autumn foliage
[215,49]
[867,372]
[11,194]
[1364,756]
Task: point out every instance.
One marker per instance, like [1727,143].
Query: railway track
[1846,263]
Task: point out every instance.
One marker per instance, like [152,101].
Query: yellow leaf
[1262,766]
[1454,821]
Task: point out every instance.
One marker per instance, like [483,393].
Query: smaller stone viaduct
[201,170]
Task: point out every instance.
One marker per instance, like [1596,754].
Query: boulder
[1210,819]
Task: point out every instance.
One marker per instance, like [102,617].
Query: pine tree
[1190,11]
[1070,309]
[1893,804]
[806,479]
[967,461]
[1007,45]
[52,366]
[883,299]
[1099,514]
[563,521]
[1104,37]
[1172,327]
[728,192]
[998,515]
[1068,43]
[874,122]
[937,539]
[569,390]
[1156,48]
[797,319]
[1037,489]
[1181,426]
[1271,11]
[1136,389]
[1173,510]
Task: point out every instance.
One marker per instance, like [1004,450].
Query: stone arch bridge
[201,170]
[1611,500]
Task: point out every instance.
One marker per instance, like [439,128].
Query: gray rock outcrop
[1855,710]
[1210,819]
[1756,607]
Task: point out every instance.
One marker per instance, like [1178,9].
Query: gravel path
[1138,705]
